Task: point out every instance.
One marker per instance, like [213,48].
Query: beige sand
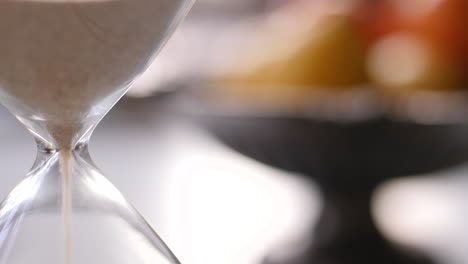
[60,57]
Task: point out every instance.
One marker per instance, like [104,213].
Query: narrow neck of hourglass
[47,152]
[46,147]
[63,137]
[70,130]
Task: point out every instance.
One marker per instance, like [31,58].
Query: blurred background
[293,132]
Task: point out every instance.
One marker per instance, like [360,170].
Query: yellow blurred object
[329,54]
[403,63]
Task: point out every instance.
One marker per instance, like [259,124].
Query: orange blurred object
[445,27]
[442,24]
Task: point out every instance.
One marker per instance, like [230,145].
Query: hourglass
[63,65]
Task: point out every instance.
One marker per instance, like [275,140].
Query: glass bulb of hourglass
[64,64]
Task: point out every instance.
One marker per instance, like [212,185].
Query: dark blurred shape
[348,160]
[409,56]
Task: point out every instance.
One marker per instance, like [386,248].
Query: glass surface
[64,65]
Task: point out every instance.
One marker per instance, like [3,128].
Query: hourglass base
[66,212]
